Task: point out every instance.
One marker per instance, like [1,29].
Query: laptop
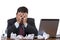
[49,26]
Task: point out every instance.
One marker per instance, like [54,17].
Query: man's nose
[21,16]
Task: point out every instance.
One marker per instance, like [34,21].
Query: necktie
[21,30]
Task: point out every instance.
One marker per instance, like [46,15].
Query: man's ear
[16,13]
[27,15]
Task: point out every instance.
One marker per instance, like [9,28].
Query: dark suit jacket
[30,29]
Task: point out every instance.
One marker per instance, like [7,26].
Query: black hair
[22,9]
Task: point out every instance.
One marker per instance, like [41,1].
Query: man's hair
[22,9]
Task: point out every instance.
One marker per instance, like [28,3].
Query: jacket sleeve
[35,31]
[31,30]
[10,28]
[31,27]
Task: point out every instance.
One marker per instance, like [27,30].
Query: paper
[40,37]
[30,36]
[13,35]
[45,35]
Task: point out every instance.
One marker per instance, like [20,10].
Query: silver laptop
[49,26]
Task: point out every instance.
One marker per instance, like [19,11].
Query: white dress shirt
[17,24]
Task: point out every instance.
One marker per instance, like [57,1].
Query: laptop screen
[49,26]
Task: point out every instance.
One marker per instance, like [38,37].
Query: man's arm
[31,28]
[10,28]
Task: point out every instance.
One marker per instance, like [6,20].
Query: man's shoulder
[30,18]
[12,19]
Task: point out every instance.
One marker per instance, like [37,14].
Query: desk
[41,39]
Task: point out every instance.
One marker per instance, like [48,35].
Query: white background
[38,9]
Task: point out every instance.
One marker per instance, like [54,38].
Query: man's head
[22,12]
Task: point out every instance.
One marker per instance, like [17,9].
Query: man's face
[20,15]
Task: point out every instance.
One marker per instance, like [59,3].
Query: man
[21,25]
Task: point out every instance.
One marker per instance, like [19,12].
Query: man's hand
[21,17]
[18,18]
[25,18]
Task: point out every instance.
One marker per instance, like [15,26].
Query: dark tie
[21,30]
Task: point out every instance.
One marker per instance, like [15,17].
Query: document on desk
[29,36]
[44,36]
